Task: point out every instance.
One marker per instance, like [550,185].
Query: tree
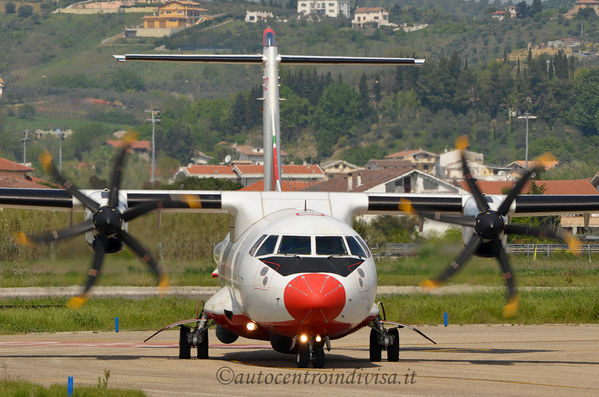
[584,113]
[10,8]
[25,11]
[27,111]
[522,10]
[536,8]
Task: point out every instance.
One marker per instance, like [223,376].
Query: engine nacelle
[101,197]
[225,336]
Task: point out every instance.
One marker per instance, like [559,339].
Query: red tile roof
[7,165]
[210,170]
[288,169]
[577,186]
[20,183]
[286,186]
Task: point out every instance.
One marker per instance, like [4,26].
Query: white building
[376,16]
[255,16]
[329,8]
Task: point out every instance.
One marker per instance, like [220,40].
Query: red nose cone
[314,298]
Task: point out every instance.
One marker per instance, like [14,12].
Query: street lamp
[154,120]
[60,139]
[527,116]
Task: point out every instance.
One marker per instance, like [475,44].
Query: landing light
[318,339]
[251,326]
[303,338]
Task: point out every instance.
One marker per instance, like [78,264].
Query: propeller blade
[99,250]
[56,235]
[545,232]
[48,164]
[511,307]
[506,204]
[117,175]
[147,258]
[481,203]
[468,250]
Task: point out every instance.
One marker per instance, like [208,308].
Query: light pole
[25,139]
[153,120]
[527,116]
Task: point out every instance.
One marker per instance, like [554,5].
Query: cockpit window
[268,247]
[295,245]
[355,247]
[363,244]
[257,244]
[330,245]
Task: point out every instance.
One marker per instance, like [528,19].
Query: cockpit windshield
[295,245]
[355,247]
[330,245]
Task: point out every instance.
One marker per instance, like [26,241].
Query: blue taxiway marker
[70,386]
[445,318]
[116,324]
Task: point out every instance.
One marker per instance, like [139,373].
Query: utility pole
[60,139]
[153,120]
[25,139]
[527,116]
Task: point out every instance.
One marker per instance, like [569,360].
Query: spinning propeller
[107,223]
[489,226]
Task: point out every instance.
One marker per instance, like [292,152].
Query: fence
[398,250]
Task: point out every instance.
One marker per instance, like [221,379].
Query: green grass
[560,306]
[24,388]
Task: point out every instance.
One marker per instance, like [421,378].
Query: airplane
[292,268]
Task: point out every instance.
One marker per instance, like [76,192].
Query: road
[538,360]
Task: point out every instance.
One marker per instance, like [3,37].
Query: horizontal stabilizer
[201,58]
[332,60]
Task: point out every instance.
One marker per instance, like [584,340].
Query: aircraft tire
[184,347]
[203,345]
[319,358]
[302,357]
[393,349]
[375,347]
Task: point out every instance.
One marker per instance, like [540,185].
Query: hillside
[52,62]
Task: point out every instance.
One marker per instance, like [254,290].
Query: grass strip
[24,388]
[556,306]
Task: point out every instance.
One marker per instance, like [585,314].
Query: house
[1,86]
[421,159]
[248,174]
[389,180]
[388,163]
[206,171]
[255,16]
[175,14]
[371,16]
[582,5]
[335,167]
[201,158]
[142,148]
[244,153]
[498,15]
[516,168]
[449,166]
[15,175]
[329,8]
[511,11]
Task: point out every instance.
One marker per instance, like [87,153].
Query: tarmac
[507,360]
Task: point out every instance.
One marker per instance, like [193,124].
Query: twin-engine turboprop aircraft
[293,269]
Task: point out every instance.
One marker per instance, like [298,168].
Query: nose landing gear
[381,338]
[311,351]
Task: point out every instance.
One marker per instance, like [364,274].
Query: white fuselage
[294,272]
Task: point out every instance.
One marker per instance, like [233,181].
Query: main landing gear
[198,337]
[311,351]
[383,339]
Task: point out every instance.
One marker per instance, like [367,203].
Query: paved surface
[206,292]
[549,360]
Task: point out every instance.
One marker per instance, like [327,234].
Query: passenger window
[355,247]
[330,245]
[363,244]
[295,245]
[268,247]
[257,244]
